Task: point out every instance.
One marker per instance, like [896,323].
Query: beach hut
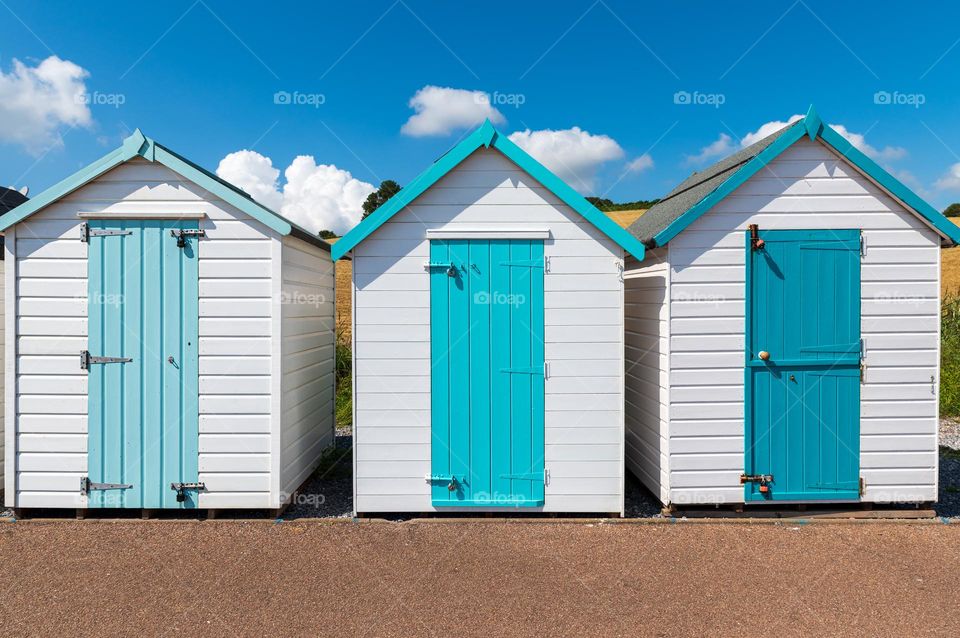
[9,199]
[488,341]
[783,330]
[169,341]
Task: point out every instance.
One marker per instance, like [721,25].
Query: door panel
[487,400]
[803,402]
[143,414]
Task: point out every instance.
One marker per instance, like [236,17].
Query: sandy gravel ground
[430,578]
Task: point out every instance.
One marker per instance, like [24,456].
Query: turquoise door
[803,366]
[142,410]
[487,403]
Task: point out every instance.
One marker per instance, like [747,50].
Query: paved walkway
[480,578]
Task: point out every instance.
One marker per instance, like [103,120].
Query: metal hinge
[863,486]
[180,489]
[86,232]
[86,360]
[546,264]
[86,485]
[863,361]
[182,233]
[863,245]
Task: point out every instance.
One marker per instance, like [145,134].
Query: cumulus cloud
[767,129]
[640,164]
[442,110]
[722,146]
[573,154]
[36,100]
[950,181]
[316,196]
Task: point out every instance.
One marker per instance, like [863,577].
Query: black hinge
[86,359]
[86,232]
[182,233]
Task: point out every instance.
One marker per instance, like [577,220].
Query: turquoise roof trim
[487,136]
[814,127]
[138,145]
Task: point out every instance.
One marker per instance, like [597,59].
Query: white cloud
[442,110]
[640,164]
[767,129]
[950,181]
[887,153]
[35,101]
[722,146]
[316,196]
[573,154]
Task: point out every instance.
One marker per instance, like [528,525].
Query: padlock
[764,489]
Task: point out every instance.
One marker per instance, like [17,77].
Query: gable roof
[702,191]
[486,136]
[10,199]
[138,145]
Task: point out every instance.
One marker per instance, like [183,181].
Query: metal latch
[86,485]
[181,489]
[86,232]
[755,242]
[182,233]
[762,479]
[451,268]
[451,481]
[86,359]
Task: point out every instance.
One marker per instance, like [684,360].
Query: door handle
[764,355]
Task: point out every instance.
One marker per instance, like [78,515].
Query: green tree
[953,210]
[327,234]
[388,188]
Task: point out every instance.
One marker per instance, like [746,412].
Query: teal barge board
[787,326]
[488,341]
[173,343]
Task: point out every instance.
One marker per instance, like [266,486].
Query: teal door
[487,403]
[142,406]
[803,366]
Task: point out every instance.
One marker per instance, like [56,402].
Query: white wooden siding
[2,393]
[306,361]
[647,385]
[583,342]
[235,339]
[807,187]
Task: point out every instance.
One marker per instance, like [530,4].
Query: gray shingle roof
[693,189]
[10,199]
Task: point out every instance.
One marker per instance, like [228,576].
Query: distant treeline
[607,205]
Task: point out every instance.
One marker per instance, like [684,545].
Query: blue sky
[595,83]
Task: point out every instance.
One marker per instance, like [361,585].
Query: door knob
[764,355]
[170,359]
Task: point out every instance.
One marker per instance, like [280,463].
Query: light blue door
[803,366]
[487,402]
[143,409]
